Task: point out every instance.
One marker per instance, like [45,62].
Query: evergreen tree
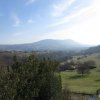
[33,79]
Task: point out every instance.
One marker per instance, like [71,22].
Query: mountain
[91,50]
[47,44]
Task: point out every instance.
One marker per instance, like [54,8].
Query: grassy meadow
[86,84]
[89,83]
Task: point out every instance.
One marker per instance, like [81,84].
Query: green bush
[33,79]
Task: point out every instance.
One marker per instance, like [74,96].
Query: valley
[69,61]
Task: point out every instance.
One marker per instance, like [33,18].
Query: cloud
[28,2]
[61,7]
[16,20]
[30,21]
[84,27]
[73,15]
[87,30]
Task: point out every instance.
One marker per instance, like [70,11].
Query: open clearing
[76,83]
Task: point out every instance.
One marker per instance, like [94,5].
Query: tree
[91,64]
[83,68]
[33,79]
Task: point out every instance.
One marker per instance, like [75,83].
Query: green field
[76,83]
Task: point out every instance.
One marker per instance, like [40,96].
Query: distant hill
[48,44]
[91,50]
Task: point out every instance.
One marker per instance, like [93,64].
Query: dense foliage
[32,79]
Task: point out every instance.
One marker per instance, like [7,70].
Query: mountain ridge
[46,44]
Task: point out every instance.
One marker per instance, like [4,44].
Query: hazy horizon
[51,41]
[28,21]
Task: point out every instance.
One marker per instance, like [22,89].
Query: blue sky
[26,21]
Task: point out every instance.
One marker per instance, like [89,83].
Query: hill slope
[91,50]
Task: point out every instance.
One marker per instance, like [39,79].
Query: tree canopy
[32,79]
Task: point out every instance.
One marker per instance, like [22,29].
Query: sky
[27,21]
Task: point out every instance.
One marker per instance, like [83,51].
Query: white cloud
[85,27]
[61,7]
[16,20]
[73,15]
[30,21]
[28,2]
